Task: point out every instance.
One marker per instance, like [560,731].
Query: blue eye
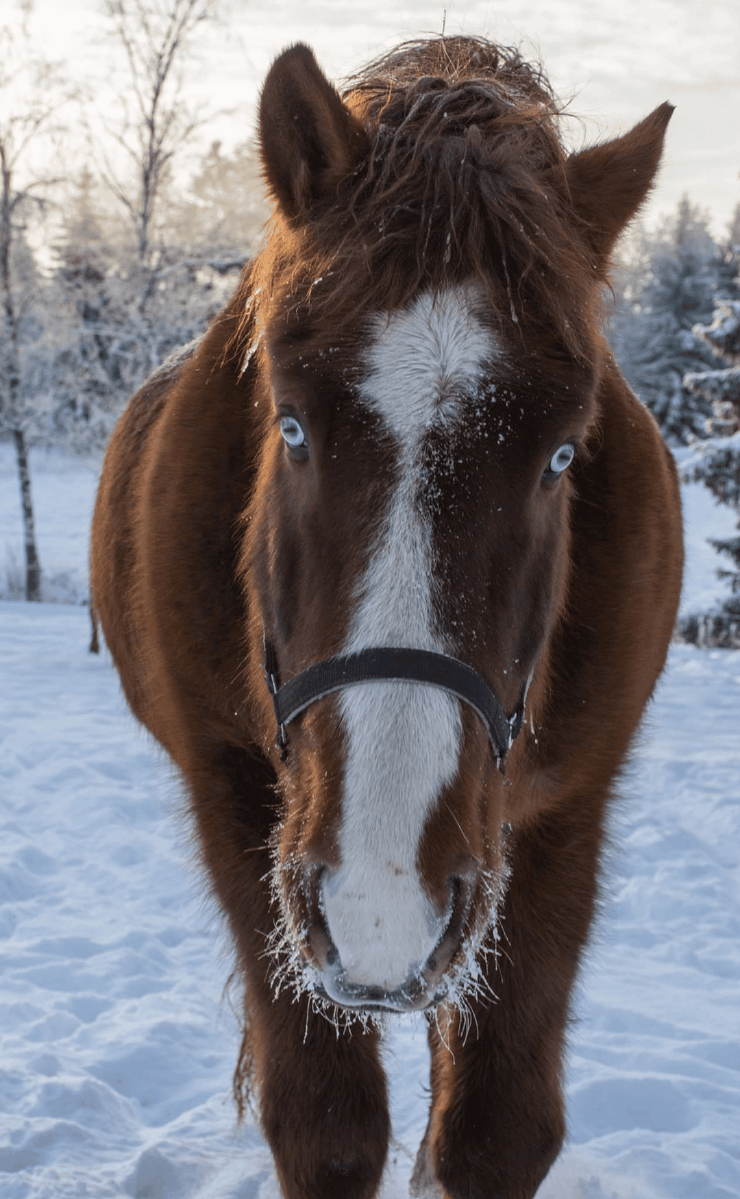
[293,436]
[561,459]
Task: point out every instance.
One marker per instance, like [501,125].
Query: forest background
[123,227]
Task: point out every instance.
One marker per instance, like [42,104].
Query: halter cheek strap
[400,665]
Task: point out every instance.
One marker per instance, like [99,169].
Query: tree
[222,213]
[87,372]
[665,288]
[155,35]
[149,299]
[103,343]
[718,465]
[30,98]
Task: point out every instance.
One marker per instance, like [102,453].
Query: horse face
[413,492]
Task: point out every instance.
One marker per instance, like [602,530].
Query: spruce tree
[665,288]
[718,465]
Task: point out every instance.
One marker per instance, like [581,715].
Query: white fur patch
[403,739]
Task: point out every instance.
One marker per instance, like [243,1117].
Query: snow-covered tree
[156,121]
[139,285]
[107,344]
[666,286]
[222,212]
[31,96]
[718,461]
[88,378]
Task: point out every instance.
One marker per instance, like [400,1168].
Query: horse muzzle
[386,978]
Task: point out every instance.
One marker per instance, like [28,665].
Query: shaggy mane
[465,181]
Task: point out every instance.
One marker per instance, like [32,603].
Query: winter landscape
[118,1042]
[118,1035]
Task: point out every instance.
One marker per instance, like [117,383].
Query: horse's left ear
[608,183]
[309,140]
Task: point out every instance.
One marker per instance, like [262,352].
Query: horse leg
[322,1100]
[94,647]
[321,1093]
[497,1118]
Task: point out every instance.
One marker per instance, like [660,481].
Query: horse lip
[413,996]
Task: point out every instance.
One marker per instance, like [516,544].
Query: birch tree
[156,123]
[30,99]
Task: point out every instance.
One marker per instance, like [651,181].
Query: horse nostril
[318,940]
[460,890]
[320,946]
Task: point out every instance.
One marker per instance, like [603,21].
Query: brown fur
[441,165]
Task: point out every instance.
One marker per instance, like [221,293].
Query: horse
[388,561]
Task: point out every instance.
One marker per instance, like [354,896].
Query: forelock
[463,184]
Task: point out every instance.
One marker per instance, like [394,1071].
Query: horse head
[423,330]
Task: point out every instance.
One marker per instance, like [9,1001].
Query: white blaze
[403,739]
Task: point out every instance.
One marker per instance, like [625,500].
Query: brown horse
[389,562]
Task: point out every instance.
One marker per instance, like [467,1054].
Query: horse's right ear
[309,140]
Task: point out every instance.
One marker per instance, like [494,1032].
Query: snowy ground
[63,491]
[117,1044]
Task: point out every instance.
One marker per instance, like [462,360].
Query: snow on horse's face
[413,492]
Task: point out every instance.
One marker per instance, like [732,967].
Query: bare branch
[154,35]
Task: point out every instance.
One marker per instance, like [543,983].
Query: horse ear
[309,139]
[609,182]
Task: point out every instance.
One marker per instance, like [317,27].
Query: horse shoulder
[116,532]
[166,541]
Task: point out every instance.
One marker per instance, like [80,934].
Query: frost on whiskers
[466,982]
[468,978]
[291,973]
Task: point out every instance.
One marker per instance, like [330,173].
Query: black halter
[403,665]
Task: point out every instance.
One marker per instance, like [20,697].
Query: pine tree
[718,466]
[665,287]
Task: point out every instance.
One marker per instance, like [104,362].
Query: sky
[616,61]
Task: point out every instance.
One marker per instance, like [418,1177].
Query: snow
[117,1040]
[63,490]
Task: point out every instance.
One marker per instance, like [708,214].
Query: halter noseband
[402,665]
